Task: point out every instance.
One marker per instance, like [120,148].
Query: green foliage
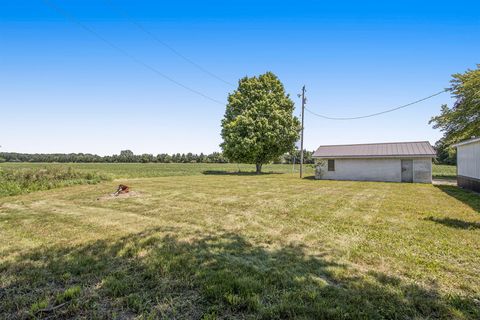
[259,125]
[294,156]
[23,180]
[462,121]
[446,154]
[214,157]
[125,156]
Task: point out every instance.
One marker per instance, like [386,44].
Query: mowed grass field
[202,242]
[148,170]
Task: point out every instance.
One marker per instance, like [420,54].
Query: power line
[126,53]
[154,37]
[158,72]
[378,113]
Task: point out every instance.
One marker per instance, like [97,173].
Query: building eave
[376,157]
[462,143]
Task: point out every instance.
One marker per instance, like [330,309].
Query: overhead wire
[158,72]
[377,113]
[141,27]
[126,53]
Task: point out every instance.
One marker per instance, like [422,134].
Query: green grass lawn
[208,245]
[150,170]
[442,171]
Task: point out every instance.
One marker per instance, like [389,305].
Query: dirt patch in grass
[445,182]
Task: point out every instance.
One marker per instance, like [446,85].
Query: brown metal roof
[377,150]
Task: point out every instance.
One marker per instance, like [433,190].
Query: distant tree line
[127,156]
[291,157]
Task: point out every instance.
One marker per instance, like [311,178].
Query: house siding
[373,169]
[468,160]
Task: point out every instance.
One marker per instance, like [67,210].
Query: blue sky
[64,90]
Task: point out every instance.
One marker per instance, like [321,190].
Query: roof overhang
[405,150]
[473,140]
[376,157]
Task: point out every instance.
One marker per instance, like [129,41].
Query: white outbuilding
[468,164]
[391,162]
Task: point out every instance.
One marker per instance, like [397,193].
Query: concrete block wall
[386,169]
[362,170]
[422,170]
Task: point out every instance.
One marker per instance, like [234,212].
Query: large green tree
[462,121]
[259,125]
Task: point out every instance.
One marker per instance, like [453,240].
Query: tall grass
[15,181]
[153,170]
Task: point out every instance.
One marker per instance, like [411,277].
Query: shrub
[21,180]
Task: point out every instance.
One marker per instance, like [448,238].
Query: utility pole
[301,137]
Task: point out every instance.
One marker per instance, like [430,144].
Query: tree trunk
[259,168]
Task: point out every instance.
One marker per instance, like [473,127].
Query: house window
[331,165]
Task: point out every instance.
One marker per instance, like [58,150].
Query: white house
[392,162]
[468,164]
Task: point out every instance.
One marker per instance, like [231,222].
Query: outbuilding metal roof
[377,150]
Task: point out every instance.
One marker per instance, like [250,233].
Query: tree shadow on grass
[455,223]
[444,177]
[237,173]
[154,274]
[468,197]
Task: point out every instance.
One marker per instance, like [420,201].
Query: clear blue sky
[64,90]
